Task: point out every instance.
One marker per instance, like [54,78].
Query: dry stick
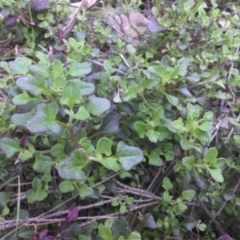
[216,223]
[95,185]
[148,189]
[12,223]
[223,206]
[127,211]
[101,65]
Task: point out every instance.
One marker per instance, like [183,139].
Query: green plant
[126,144]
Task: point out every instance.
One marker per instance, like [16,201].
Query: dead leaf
[130,25]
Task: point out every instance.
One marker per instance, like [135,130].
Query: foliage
[106,138]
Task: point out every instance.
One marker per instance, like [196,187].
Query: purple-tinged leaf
[72,214]
[11,21]
[227,237]
[24,141]
[67,237]
[110,123]
[224,108]
[154,26]
[43,234]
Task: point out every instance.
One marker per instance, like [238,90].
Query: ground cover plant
[119,120]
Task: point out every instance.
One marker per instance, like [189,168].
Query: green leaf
[79,69]
[36,183]
[22,98]
[203,136]
[40,194]
[167,185]
[18,68]
[109,163]
[20,119]
[66,186]
[216,174]
[110,123]
[10,146]
[97,106]
[108,67]
[154,159]
[70,95]
[85,88]
[211,156]
[188,162]
[189,223]
[85,191]
[182,207]
[42,163]
[44,119]
[141,128]
[72,167]
[128,156]
[182,65]
[148,221]
[33,85]
[134,236]
[104,146]
[39,70]
[188,195]
[229,195]
[105,232]
[81,114]
[173,100]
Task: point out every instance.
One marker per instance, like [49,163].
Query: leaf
[70,95]
[18,68]
[188,195]
[10,146]
[203,136]
[109,163]
[40,194]
[42,163]
[110,123]
[216,174]
[81,114]
[22,98]
[33,85]
[85,191]
[66,186]
[173,100]
[229,195]
[128,156]
[211,156]
[141,128]
[105,232]
[97,106]
[20,119]
[119,229]
[182,65]
[188,162]
[72,167]
[167,185]
[154,159]
[104,146]
[72,214]
[154,26]
[39,70]
[193,78]
[44,119]
[108,67]
[79,69]
[189,223]
[134,236]
[148,221]
[85,88]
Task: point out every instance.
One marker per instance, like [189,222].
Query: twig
[223,205]
[101,65]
